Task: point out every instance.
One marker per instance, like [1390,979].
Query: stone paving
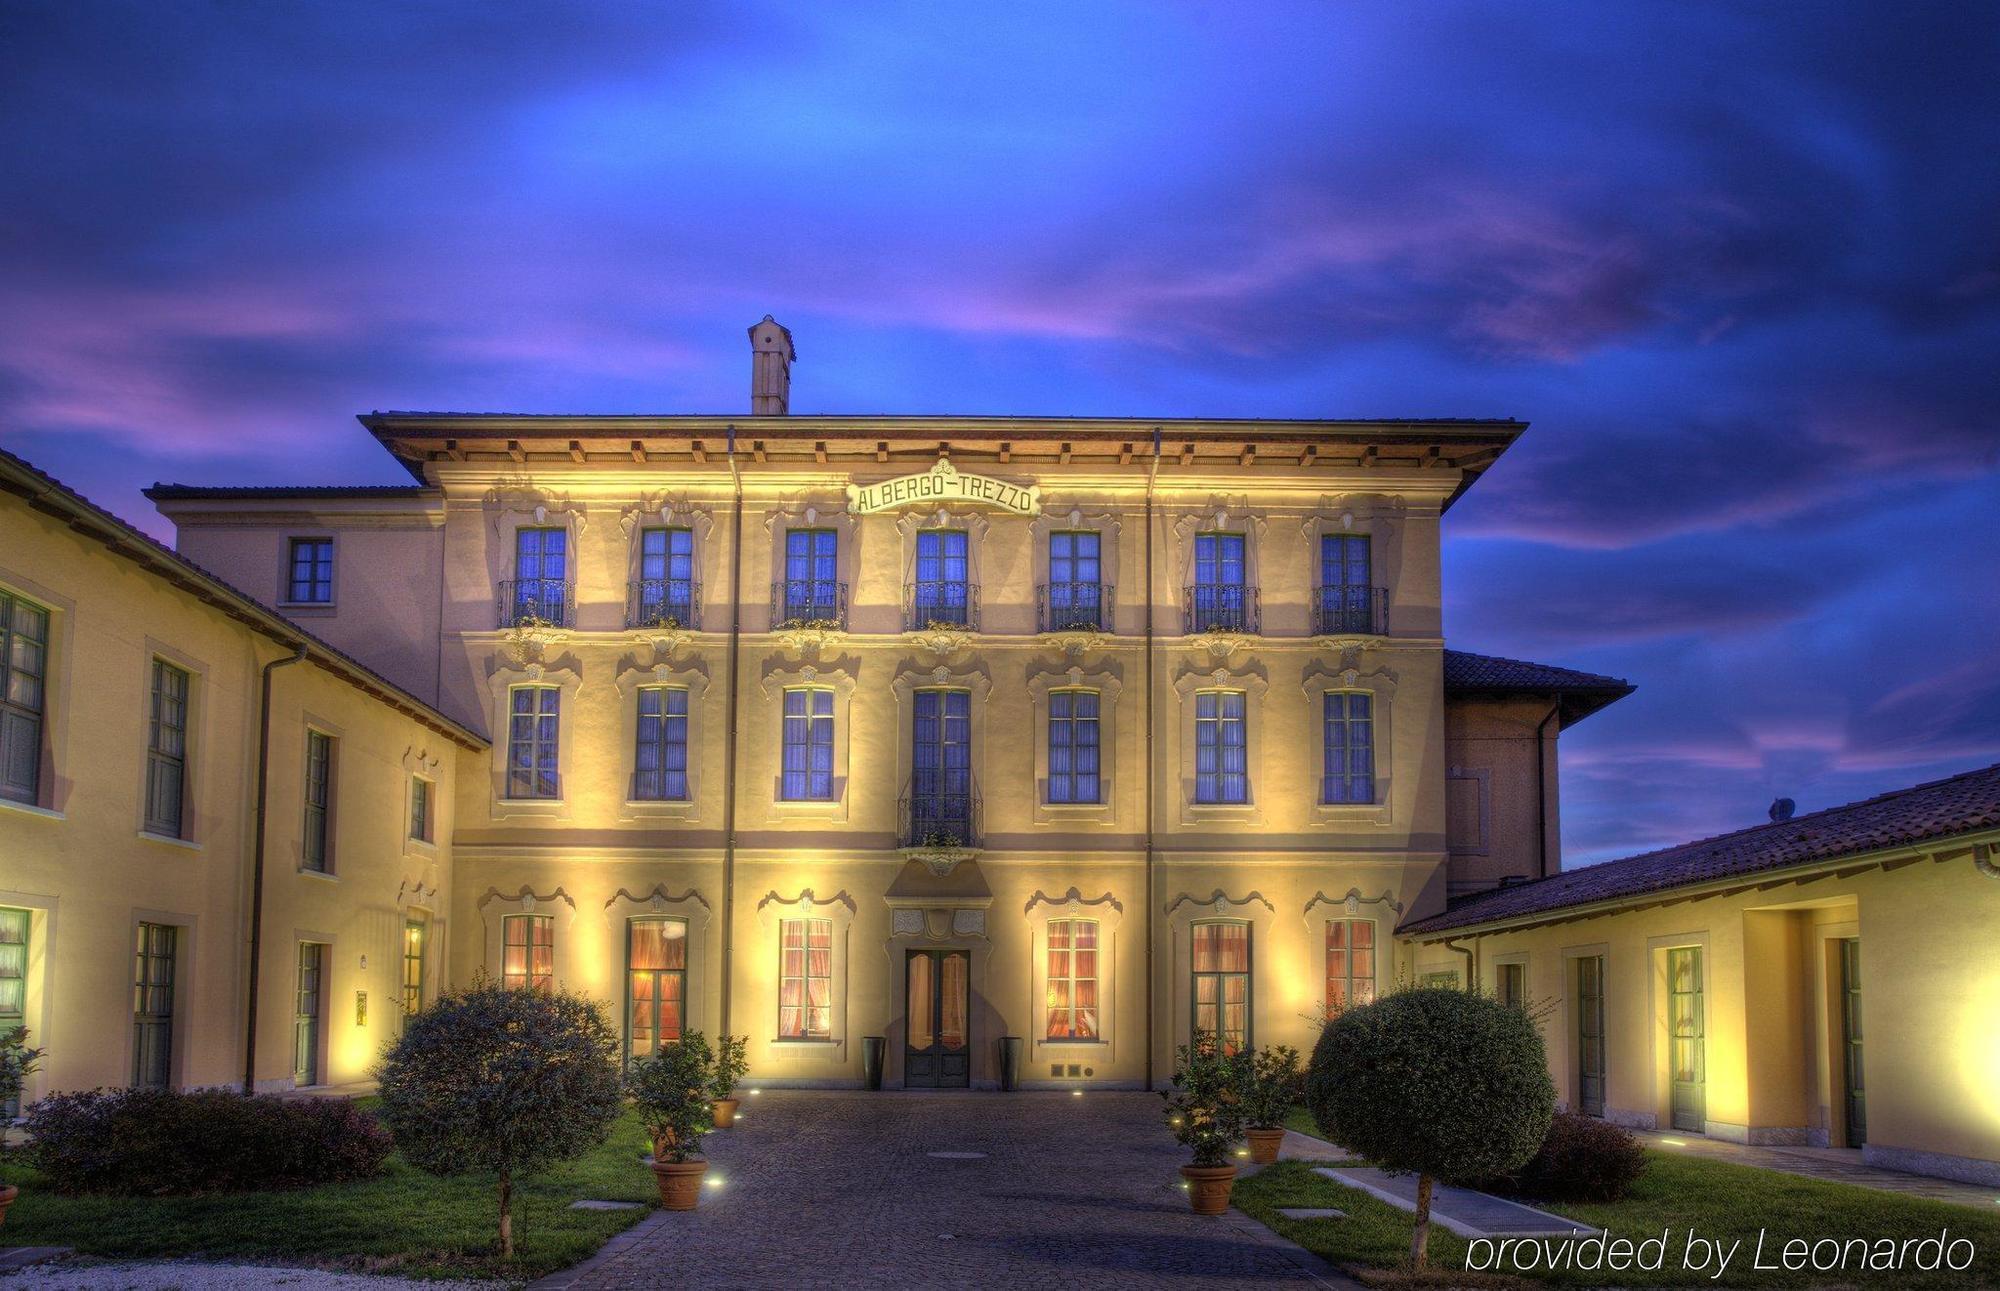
[837,1189]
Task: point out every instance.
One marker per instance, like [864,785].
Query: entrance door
[1850,1040]
[938,1055]
[1687,1059]
[1590,1035]
[153,1006]
[305,1022]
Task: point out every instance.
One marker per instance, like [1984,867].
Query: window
[153,1006]
[24,655]
[1073,746]
[14,926]
[666,591]
[1687,1056]
[1221,755]
[532,742]
[528,952]
[942,595]
[1590,1035]
[1076,588]
[1072,999]
[541,576]
[1444,979]
[166,750]
[1510,985]
[420,809]
[1222,982]
[808,756]
[656,984]
[1218,602]
[941,806]
[414,935]
[305,1022]
[660,763]
[311,579]
[1346,597]
[1350,964]
[319,798]
[805,979]
[812,589]
[1347,748]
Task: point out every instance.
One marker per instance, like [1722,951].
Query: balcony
[1073,607]
[1350,611]
[663,603]
[537,602]
[939,813]
[940,603]
[1220,607]
[809,603]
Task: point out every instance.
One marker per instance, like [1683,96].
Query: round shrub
[1581,1159]
[164,1142]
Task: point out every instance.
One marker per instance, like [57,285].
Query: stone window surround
[815,512]
[1075,518]
[422,764]
[1189,909]
[666,511]
[519,503]
[1107,913]
[658,902]
[1659,1020]
[1105,679]
[1386,913]
[975,524]
[772,910]
[960,926]
[691,676]
[283,592]
[51,788]
[500,686]
[1492,984]
[496,905]
[328,965]
[1374,516]
[195,825]
[1483,778]
[1380,684]
[1252,681]
[1566,1087]
[1218,516]
[971,678]
[187,945]
[837,676]
[309,723]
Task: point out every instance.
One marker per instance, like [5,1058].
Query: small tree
[503,1080]
[1276,1080]
[1435,1082]
[17,1063]
[671,1091]
[1205,1105]
[732,1062]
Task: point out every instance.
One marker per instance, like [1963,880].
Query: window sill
[309,607]
[30,809]
[795,1042]
[1070,1042]
[327,876]
[171,841]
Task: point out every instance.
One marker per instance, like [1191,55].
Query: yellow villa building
[935,734]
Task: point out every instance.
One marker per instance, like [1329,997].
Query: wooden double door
[937,996]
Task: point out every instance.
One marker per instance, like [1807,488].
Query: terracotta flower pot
[1208,1187]
[680,1183]
[1264,1144]
[725,1113]
[7,1194]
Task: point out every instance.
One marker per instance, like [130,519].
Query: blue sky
[1738,264]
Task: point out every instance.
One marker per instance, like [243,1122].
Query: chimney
[771,358]
[1781,810]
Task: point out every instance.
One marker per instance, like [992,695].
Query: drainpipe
[257,865]
[729,733]
[1541,784]
[1152,474]
[1471,963]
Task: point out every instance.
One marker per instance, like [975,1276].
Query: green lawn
[403,1222]
[1713,1198]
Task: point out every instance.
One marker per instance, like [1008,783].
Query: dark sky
[1738,264]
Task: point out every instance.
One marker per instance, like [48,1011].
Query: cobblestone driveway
[839,1190]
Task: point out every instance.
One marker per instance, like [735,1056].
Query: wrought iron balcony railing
[1220,607]
[930,817]
[663,603]
[947,602]
[1071,607]
[549,601]
[1359,610]
[809,602]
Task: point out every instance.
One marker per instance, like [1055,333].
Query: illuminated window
[656,984]
[1347,747]
[1222,982]
[14,926]
[1072,999]
[1073,746]
[24,649]
[808,754]
[311,577]
[1350,963]
[528,952]
[414,935]
[1221,752]
[660,762]
[805,979]
[319,800]
[166,750]
[533,736]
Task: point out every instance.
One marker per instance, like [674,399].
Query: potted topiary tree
[17,1062]
[1205,1111]
[1436,1082]
[671,1090]
[500,1080]
[1276,1079]
[731,1063]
